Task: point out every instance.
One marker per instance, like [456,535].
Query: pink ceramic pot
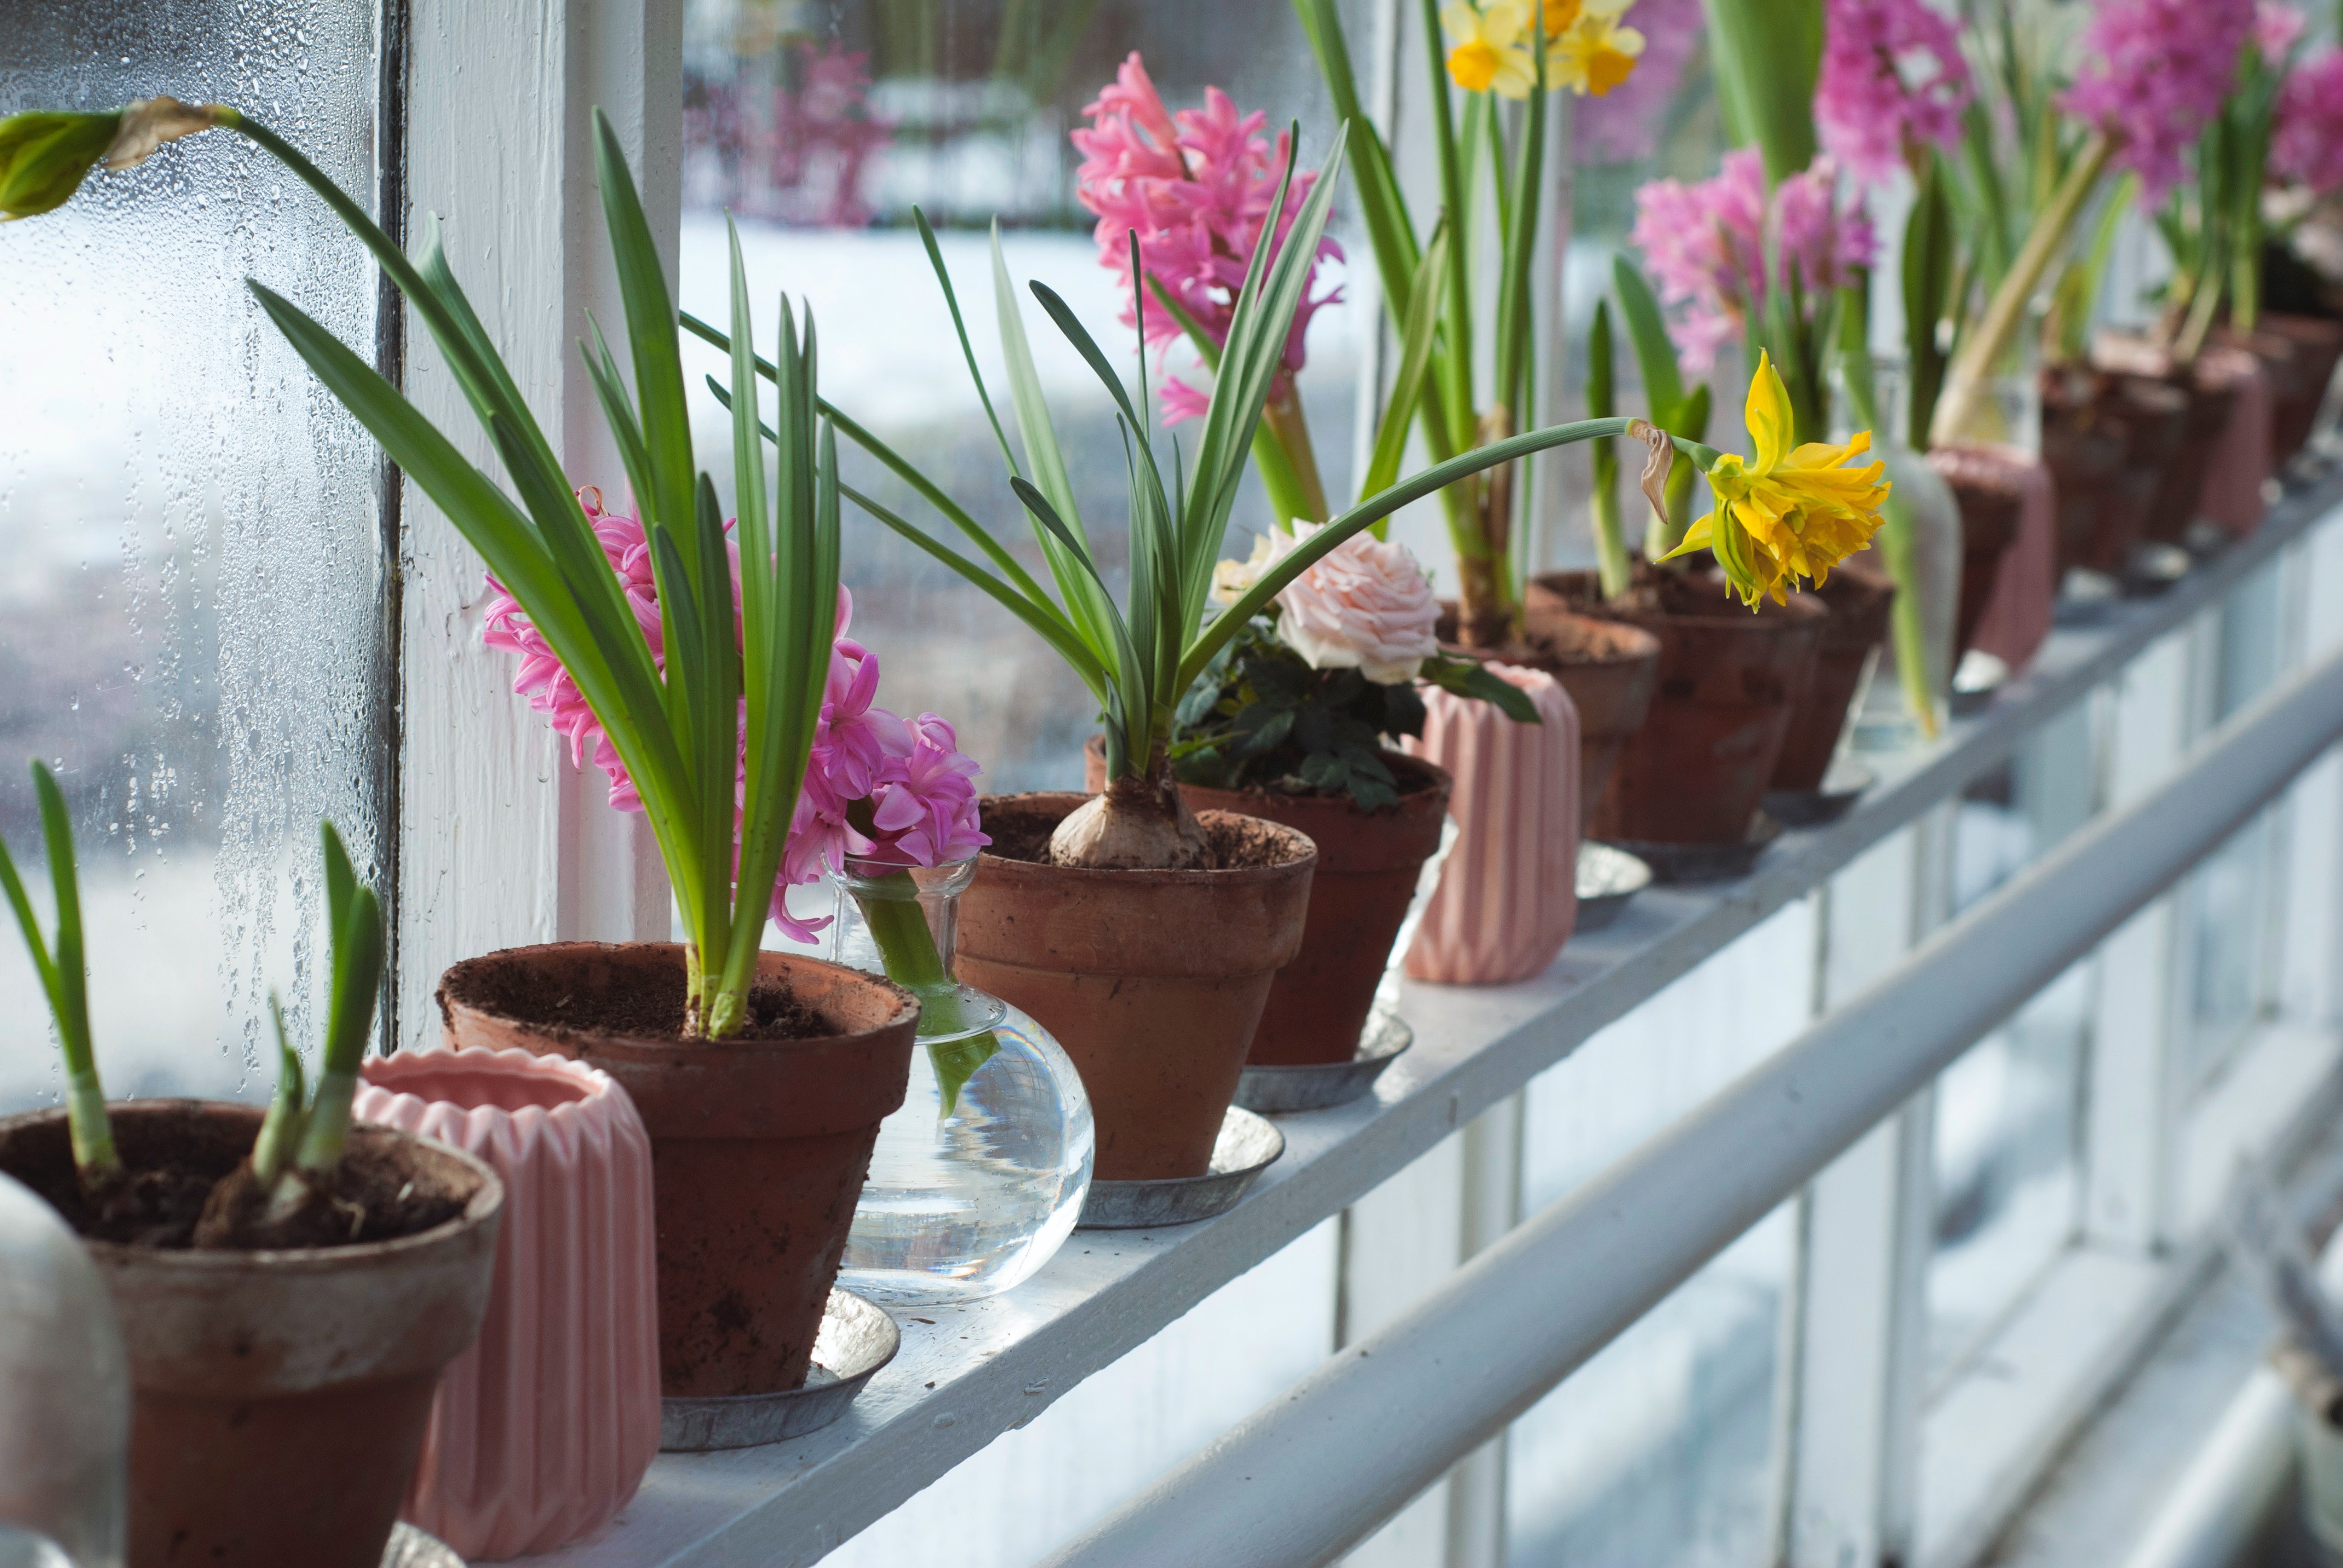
[2017,617]
[542,1431]
[1508,894]
[2232,497]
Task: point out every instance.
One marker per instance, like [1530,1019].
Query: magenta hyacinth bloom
[2307,148]
[1623,124]
[2153,73]
[1704,245]
[914,776]
[1196,186]
[1893,78]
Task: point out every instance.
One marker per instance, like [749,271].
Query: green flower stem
[898,926]
[1899,543]
[1970,375]
[65,982]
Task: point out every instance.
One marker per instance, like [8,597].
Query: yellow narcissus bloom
[1592,54]
[1487,48]
[1785,515]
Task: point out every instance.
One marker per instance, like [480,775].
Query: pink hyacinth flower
[1705,246]
[1893,78]
[2153,75]
[2307,148]
[1196,187]
[924,813]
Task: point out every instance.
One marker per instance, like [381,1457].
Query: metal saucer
[1978,681]
[1278,1089]
[857,1338]
[1248,1145]
[2153,569]
[2086,598]
[1841,788]
[1706,862]
[411,1548]
[1608,878]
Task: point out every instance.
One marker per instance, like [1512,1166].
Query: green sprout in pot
[1682,413]
[677,724]
[286,1191]
[1142,658]
[65,983]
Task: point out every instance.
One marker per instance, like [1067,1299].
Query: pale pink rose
[1366,606]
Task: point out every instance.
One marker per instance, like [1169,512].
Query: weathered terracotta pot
[2318,347]
[1508,895]
[1990,501]
[1609,669]
[2012,488]
[1858,600]
[1153,982]
[2210,388]
[759,1147]
[278,1398]
[1728,681]
[543,1429]
[2083,440]
[1367,867]
[2232,497]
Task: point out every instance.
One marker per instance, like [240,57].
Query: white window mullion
[503,842]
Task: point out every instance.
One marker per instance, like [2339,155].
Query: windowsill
[977,1370]
[2086,1324]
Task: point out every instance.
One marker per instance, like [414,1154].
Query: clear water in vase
[978,1178]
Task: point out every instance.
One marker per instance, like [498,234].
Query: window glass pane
[191,604]
[2007,1141]
[821,126]
[1659,1452]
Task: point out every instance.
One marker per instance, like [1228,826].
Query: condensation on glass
[191,587]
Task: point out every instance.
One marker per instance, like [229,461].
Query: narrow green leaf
[1416,335]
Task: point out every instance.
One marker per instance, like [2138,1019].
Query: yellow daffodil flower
[1788,514]
[1592,54]
[1487,49]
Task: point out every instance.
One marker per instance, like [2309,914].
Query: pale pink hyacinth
[1365,606]
[1893,79]
[2307,148]
[2153,74]
[1196,186]
[916,781]
[1705,246]
[2277,28]
[1624,126]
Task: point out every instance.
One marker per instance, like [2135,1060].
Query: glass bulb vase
[981,1175]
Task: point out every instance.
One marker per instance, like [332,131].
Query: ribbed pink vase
[542,1429]
[2232,496]
[1508,895]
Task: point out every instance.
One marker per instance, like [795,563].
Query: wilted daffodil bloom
[44,156]
[1785,515]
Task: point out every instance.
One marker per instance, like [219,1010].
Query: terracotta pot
[1153,981]
[1990,502]
[278,1398]
[2153,415]
[1508,895]
[2232,497]
[759,1147]
[2317,345]
[2209,389]
[2084,441]
[1728,681]
[2014,618]
[1367,867]
[1858,600]
[1609,669]
[543,1429]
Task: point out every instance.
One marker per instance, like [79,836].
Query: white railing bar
[1315,1471]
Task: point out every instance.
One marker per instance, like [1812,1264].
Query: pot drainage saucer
[2154,567]
[411,1548]
[1315,1086]
[1842,787]
[1608,878]
[857,1338]
[1247,1146]
[1705,862]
